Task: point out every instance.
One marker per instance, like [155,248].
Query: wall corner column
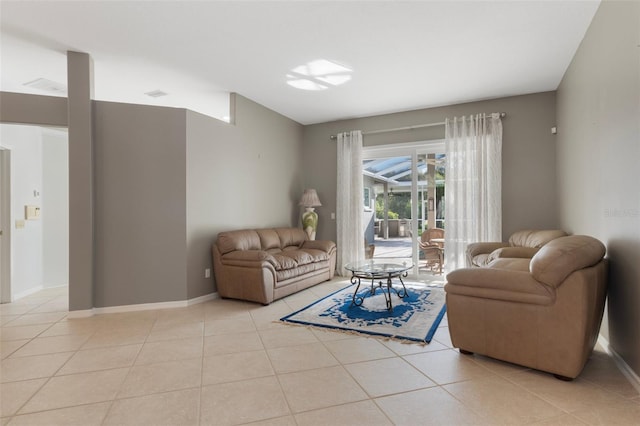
[81,202]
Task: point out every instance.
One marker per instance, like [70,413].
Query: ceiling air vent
[156,93]
[47,86]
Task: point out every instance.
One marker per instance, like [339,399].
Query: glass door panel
[404,196]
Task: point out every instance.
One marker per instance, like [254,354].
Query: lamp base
[310,222]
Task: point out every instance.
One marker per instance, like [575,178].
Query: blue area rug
[415,317]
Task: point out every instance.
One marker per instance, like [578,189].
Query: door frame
[5,225]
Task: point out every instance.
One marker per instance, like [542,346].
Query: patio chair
[433,236]
[369,249]
[433,251]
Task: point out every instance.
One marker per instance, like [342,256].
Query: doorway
[405,183]
[34,210]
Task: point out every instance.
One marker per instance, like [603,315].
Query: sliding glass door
[404,196]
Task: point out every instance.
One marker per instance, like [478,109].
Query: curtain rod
[417,126]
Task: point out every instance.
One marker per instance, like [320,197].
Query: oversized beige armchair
[431,245]
[543,313]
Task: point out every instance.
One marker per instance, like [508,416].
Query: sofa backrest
[562,256]
[534,238]
[246,239]
[267,239]
[291,238]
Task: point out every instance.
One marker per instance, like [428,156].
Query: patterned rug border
[403,339]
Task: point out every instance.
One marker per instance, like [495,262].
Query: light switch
[19,224]
[31,212]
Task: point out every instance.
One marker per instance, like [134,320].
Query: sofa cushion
[291,259]
[481,259]
[562,256]
[269,239]
[535,238]
[291,236]
[282,263]
[512,252]
[238,240]
[317,255]
[284,275]
[299,257]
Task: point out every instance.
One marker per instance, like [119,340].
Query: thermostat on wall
[31,212]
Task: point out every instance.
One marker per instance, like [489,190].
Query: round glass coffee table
[384,271]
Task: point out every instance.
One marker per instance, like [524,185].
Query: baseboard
[142,306]
[26,293]
[84,313]
[201,299]
[628,372]
[48,286]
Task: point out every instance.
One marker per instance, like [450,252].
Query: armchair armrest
[499,284]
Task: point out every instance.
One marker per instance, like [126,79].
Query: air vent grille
[156,93]
[46,85]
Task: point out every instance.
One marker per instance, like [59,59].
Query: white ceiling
[404,55]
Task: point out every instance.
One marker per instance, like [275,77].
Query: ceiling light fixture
[320,74]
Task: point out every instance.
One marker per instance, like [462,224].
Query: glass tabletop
[379,266]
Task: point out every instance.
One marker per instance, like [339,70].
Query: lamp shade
[310,198]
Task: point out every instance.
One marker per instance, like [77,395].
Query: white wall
[55,212]
[40,250]
[25,143]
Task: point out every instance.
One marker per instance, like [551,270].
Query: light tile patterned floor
[230,362]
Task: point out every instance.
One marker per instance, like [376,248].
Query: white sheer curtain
[349,204]
[473,184]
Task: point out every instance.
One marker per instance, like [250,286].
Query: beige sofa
[262,265]
[543,313]
[522,244]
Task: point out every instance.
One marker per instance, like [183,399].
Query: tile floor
[228,362]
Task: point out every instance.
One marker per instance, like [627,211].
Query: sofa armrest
[323,245]
[248,259]
[517,252]
[499,284]
[475,249]
[482,249]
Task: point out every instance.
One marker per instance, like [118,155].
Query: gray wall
[140,204]
[166,181]
[598,152]
[33,109]
[242,176]
[528,156]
